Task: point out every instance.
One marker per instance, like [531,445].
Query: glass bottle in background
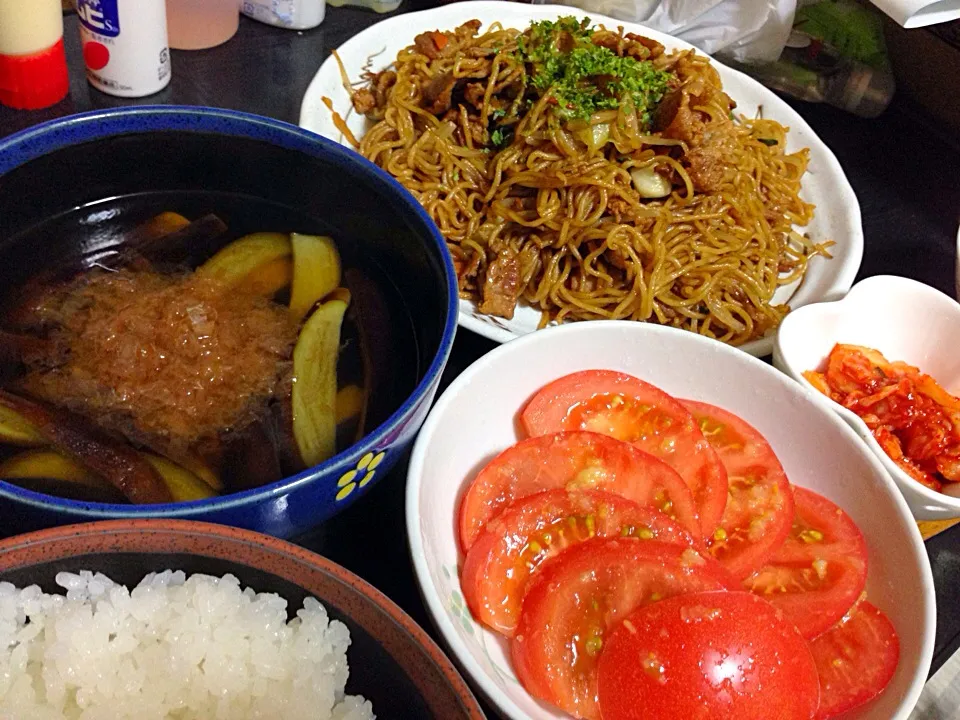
[125,45]
[201,24]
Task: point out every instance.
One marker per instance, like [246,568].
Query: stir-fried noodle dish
[592,174]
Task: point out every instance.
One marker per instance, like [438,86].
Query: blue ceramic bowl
[66,187]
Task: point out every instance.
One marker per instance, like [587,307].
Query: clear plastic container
[291,14]
[201,24]
[835,54]
[380,6]
[813,71]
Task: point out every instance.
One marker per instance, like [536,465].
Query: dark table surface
[904,171]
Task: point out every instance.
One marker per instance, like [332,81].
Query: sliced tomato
[820,570]
[856,659]
[515,543]
[575,598]
[717,655]
[759,510]
[573,461]
[629,409]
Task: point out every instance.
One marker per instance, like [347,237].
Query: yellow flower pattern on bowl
[359,476]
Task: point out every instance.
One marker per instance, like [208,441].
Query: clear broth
[378,345]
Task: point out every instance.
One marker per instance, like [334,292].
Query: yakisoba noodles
[593,175]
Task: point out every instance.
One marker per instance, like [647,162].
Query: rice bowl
[393,663]
[173,647]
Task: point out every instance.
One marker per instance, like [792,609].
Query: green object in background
[835,54]
[854,31]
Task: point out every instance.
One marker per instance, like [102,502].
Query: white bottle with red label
[125,45]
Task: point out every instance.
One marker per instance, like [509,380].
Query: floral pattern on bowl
[360,476]
[471,633]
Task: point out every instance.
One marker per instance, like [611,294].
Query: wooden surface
[929,528]
[902,168]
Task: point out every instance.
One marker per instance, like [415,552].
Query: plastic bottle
[290,14]
[380,6]
[835,54]
[824,76]
[33,66]
[125,45]
[201,24]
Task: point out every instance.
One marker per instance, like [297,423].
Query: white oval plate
[837,215]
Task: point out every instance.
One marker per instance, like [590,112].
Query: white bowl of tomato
[614,521]
[886,359]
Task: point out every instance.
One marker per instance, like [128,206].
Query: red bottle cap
[34,81]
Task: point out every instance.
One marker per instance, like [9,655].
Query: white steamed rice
[197,648]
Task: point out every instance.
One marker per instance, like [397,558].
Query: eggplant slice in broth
[258,264]
[72,434]
[314,395]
